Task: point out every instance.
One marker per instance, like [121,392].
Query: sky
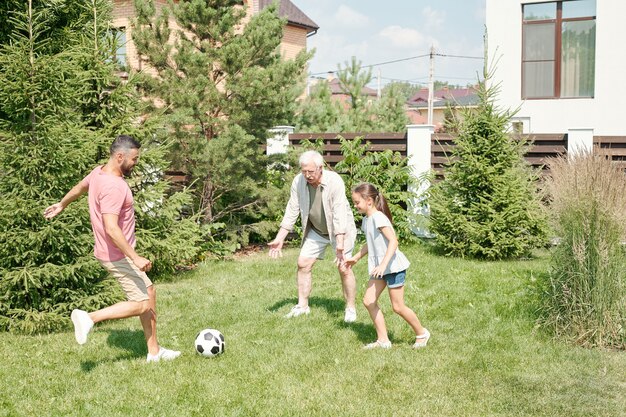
[377,31]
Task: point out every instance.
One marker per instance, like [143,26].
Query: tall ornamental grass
[585,298]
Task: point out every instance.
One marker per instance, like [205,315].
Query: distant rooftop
[293,15]
[335,88]
[441,98]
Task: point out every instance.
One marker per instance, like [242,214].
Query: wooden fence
[397,142]
[544,146]
[613,147]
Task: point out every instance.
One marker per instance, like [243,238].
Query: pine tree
[390,111]
[487,205]
[45,269]
[404,88]
[110,106]
[59,108]
[318,112]
[220,85]
[352,80]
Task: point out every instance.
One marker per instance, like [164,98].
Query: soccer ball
[210,342]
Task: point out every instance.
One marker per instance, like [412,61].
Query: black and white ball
[210,342]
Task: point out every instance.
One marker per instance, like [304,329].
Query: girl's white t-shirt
[377,244]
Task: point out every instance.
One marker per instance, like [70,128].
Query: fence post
[279,142]
[579,140]
[418,150]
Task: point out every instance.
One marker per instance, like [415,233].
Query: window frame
[558,44]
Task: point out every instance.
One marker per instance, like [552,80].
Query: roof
[293,15]
[415,117]
[454,102]
[444,93]
[335,88]
[443,97]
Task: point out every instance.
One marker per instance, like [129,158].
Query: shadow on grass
[365,332]
[280,304]
[333,306]
[132,341]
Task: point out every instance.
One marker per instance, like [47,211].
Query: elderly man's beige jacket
[339,216]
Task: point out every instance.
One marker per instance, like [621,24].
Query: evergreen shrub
[487,205]
[59,110]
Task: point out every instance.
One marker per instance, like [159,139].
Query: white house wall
[605,113]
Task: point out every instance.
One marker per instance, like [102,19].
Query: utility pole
[431,85]
[379,83]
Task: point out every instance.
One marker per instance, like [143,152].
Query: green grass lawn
[485,357]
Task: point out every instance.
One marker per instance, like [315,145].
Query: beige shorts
[314,246]
[134,282]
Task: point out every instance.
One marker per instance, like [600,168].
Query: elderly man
[319,197]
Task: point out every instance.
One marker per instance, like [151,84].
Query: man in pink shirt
[113,222]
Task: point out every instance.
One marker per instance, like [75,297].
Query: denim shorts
[394,279]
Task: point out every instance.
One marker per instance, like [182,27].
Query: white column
[418,149]
[579,140]
[279,141]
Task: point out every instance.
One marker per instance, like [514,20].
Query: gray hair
[312,156]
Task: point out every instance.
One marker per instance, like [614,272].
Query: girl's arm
[392,245]
[355,258]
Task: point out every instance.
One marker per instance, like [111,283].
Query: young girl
[387,265]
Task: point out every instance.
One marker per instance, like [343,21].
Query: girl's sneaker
[422,340]
[378,344]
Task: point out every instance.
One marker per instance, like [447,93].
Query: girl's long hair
[367,190]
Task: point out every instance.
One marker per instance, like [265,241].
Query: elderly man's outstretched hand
[276,248]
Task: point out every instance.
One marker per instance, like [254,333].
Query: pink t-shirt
[109,194]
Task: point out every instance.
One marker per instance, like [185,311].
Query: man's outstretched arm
[73,194]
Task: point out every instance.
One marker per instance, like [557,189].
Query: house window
[558,50]
[117,46]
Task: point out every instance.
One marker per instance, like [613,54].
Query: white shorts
[314,246]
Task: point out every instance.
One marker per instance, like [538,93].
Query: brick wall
[294,38]
[294,41]
[123,13]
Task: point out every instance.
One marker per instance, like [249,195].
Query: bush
[584,299]
[58,113]
[389,172]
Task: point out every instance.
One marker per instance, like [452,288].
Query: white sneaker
[164,354]
[82,325]
[422,340]
[378,344]
[297,311]
[350,316]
